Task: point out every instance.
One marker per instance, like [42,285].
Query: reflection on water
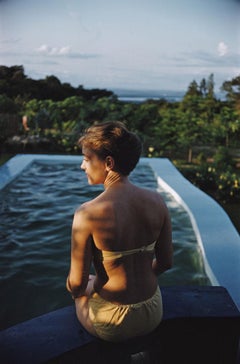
[35,226]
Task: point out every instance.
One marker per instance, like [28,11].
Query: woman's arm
[81,254]
[164,247]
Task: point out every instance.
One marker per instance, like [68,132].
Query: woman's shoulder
[93,206]
[152,199]
[149,193]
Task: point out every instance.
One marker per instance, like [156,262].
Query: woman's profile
[125,232]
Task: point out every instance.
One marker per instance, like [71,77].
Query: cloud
[10,40]
[222,49]
[53,51]
[66,51]
[202,58]
[84,55]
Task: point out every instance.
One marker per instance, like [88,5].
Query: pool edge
[213,228]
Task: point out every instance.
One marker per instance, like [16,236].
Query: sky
[127,44]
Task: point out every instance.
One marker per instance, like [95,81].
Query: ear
[109,163]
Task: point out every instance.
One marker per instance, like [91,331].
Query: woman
[126,233]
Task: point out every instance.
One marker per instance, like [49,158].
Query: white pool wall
[218,238]
[216,235]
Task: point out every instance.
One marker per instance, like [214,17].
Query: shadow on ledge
[200,325]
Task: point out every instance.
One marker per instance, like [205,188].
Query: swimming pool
[35,246]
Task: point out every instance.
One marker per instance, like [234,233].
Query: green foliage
[206,178]
[228,186]
[223,184]
[13,82]
[58,113]
[232,89]
[201,158]
[9,125]
[167,128]
[227,125]
[222,158]
[7,105]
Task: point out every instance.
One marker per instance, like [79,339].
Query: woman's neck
[113,178]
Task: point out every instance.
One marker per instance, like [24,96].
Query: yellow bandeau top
[110,255]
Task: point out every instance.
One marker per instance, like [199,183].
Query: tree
[203,87]
[196,114]
[12,73]
[210,86]
[14,83]
[43,120]
[232,89]
[209,103]
[165,134]
[229,125]
[193,90]
[191,132]
[7,105]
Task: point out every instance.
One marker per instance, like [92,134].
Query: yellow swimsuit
[117,322]
[111,255]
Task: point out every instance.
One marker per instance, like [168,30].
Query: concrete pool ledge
[17,164]
[203,327]
[217,237]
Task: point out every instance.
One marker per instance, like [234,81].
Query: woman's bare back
[126,217]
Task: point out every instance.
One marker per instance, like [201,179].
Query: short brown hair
[113,139]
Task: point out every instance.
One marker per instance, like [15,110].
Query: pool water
[36,212]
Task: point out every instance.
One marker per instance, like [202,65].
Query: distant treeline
[59,112]
[14,83]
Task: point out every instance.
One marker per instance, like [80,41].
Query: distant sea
[138,96]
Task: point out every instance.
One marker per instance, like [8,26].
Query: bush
[206,177]
[222,158]
[228,186]
[201,158]
[224,185]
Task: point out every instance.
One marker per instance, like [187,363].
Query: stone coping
[216,235]
[205,321]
